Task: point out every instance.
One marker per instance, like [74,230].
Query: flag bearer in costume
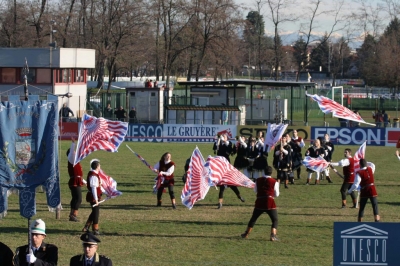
[282,161]
[315,151]
[240,149]
[223,147]
[165,169]
[93,196]
[75,183]
[297,157]
[267,188]
[365,179]
[348,171]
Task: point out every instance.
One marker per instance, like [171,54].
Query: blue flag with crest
[29,151]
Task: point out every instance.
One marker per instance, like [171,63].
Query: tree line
[195,38]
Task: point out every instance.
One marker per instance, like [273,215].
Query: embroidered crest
[25,151]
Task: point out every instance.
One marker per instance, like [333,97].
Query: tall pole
[25,71]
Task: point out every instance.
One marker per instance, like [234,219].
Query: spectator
[120,114]
[155,84]
[64,112]
[343,122]
[132,115]
[381,101]
[378,118]
[385,117]
[353,123]
[108,112]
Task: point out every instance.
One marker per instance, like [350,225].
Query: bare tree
[278,16]
[307,29]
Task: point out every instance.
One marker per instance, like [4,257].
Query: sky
[323,23]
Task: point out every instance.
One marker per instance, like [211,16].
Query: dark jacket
[47,255]
[99,260]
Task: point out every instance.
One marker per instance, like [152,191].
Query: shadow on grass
[390,203]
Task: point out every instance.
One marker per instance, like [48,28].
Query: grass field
[135,232]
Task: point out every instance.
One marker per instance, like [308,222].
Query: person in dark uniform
[315,151]
[6,255]
[223,147]
[251,154]
[186,168]
[165,169]
[297,157]
[90,257]
[267,189]
[365,179]
[240,149]
[93,196]
[329,149]
[283,161]
[41,253]
[348,171]
[261,159]
[75,183]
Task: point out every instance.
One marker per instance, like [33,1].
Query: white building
[54,71]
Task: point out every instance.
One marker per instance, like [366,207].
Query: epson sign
[351,135]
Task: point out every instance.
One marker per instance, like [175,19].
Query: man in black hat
[90,257]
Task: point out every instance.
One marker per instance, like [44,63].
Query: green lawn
[135,232]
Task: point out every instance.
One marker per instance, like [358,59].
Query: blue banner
[366,244]
[145,132]
[351,135]
[29,151]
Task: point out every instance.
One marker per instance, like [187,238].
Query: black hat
[89,238]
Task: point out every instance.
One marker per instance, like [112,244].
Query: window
[43,75]
[8,75]
[63,75]
[79,75]
[66,75]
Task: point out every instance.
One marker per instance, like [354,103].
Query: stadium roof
[238,82]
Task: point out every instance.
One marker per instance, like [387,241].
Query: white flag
[274,134]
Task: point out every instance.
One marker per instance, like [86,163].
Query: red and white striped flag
[109,185]
[99,134]
[318,164]
[202,175]
[329,106]
[197,184]
[221,172]
[360,154]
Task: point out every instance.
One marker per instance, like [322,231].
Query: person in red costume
[365,179]
[93,196]
[165,169]
[267,188]
[75,182]
[348,171]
